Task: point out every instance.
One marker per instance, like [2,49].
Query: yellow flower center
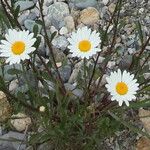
[121,88]
[18,47]
[84,46]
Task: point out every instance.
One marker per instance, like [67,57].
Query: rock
[35,1]
[5,108]
[30,148]
[50,84]
[105,2]
[30,77]
[23,16]
[46,146]
[65,72]
[75,72]
[10,145]
[69,87]
[76,92]
[69,23]
[22,88]
[13,85]
[125,62]
[47,3]
[60,42]
[20,122]
[146,75]
[103,80]
[63,31]
[45,10]
[131,50]
[53,29]
[100,59]
[35,11]
[6,74]
[89,16]
[24,5]
[110,28]
[141,10]
[32,16]
[1,130]
[111,7]
[59,64]
[143,114]
[59,55]
[56,14]
[111,64]
[147,48]
[84,3]
[29,24]
[143,144]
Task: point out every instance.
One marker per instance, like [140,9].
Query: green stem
[63,90]
[28,84]
[102,44]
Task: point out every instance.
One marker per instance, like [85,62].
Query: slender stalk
[38,77]
[26,105]
[7,14]
[28,84]
[50,49]
[44,64]
[12,12]
[146,60]
[85,81]
[102,44]
[146,81]
[144,46]
[140,52]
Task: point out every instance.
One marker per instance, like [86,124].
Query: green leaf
[140,32]
[143,104]
[128,125]
[37,43]
[46,76]
[39,22]
[14,71]
[2,83]
[35,30]
[53,35]
[3,19]
[16,12]
[49,64]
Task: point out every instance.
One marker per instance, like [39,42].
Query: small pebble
[63,31]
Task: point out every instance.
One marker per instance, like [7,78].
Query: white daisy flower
[122,86]
[17,46]
[84,43]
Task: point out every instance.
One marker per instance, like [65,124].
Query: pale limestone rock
[63,31]
[5,108]
[145,119]
[59,64]
[69,23]
[111,7]
[143,144]
[20,122]
[89,16]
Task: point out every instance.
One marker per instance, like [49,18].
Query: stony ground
[63,17]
